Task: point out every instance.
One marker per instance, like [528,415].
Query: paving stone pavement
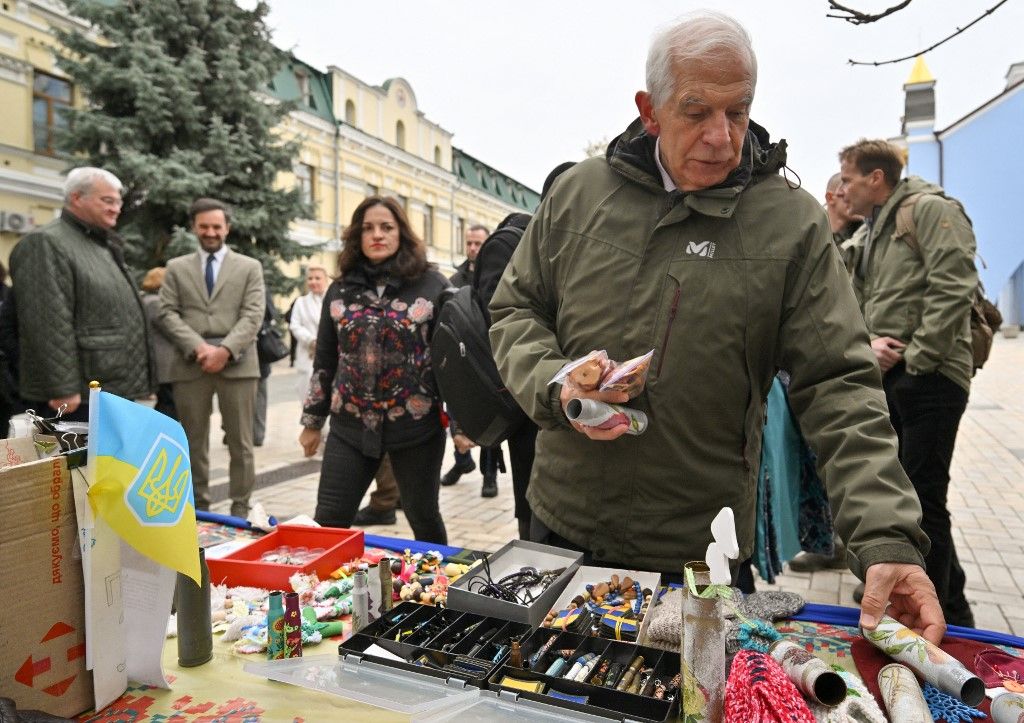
[986,496]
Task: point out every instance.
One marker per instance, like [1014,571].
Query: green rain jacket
[921,296]
[727,285]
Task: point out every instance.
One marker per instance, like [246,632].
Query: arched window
[350,112]
[400,134]
[437,155]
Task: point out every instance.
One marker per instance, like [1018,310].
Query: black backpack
[466,374]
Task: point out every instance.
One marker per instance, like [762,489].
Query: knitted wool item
[858,707]
[945,707]
[769,605]
[665,629]
[759,690]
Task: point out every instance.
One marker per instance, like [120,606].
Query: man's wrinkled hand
[70,403]
[905,593]
[463,443]
[571,391]
[888,352]
[215,361]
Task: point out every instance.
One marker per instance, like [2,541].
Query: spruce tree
[177,107]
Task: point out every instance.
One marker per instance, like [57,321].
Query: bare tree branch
[858,18]
[985,14]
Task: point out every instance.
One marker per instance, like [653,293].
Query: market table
[222,691]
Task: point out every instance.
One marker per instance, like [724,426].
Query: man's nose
[716,132]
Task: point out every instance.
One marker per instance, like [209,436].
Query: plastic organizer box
[244,566]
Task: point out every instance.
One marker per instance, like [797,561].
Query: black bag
[270,347]
[466,374]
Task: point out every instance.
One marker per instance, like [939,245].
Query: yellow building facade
[32,92]
[354,138]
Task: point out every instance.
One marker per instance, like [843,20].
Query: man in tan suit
[211,308]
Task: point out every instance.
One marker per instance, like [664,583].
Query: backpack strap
[906,227]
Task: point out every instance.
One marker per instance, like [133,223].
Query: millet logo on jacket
[701,248]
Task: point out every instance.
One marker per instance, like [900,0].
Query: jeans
[346,473]
[925,411]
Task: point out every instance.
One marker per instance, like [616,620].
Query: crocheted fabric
[770,605]
[945,707]
[758,690]
[859,706]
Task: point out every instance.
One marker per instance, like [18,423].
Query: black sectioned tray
[602,701]
[437,642]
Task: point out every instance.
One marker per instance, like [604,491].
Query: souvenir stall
[400,630]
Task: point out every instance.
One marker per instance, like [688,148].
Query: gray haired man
[686,238]
[80,317]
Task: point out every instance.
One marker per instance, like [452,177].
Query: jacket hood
[905,187]
[632,155]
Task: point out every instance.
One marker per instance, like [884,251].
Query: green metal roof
[285,86]
[479,175]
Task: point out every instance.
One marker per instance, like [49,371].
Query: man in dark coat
[79,316]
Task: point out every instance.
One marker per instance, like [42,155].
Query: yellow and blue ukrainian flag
[141,482]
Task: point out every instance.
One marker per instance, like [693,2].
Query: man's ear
[646,108]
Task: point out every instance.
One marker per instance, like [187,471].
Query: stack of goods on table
[299,585]
[530,633]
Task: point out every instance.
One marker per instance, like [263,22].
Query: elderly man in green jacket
[686,238]
[915,277]
[80,317]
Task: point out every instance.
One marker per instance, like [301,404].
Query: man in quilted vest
[79,316]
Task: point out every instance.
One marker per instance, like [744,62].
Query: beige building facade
[355,139]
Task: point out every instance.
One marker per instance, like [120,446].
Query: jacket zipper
[668,327]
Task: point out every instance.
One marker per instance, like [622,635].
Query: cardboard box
[42,619]
[512,557]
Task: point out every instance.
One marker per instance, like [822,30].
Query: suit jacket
[234,312]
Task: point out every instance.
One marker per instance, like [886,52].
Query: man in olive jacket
[915,276]
[211,308]
[80,318]
[686,239]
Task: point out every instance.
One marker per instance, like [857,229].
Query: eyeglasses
[112,201]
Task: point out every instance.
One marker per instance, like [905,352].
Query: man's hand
[911,597]
[214,359]
[70,403]
[571,391]
[463,443]
[310,440]
[888,352]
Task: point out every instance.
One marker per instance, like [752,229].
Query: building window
[305,180]
[51,97]
[428,224]
[305,89]
[460,236]
[400,134]
[372,190]
[437,155]
[350,112]
[403,201]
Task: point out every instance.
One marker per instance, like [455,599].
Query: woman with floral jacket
[372,373]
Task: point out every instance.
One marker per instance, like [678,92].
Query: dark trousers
[346,473]
[521,447]
[925,411]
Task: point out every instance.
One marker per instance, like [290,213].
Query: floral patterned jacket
[372,369]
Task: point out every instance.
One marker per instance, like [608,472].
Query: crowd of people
[685,238]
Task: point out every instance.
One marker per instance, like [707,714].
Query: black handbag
[270,347]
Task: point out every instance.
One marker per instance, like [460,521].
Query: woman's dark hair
[410,261]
